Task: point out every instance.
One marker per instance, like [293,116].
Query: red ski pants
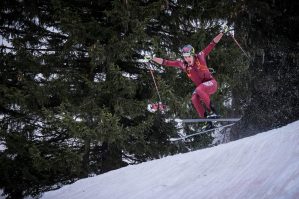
[202,94]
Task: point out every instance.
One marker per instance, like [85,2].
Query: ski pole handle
[225,29]
[148,58]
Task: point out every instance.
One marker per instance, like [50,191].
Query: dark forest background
[73,96]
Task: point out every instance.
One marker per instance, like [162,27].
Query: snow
[2,147]
[262,166]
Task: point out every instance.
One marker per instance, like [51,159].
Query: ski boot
[211,115]
[209,125]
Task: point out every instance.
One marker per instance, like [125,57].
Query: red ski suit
[199,73]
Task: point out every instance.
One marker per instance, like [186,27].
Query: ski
[207,120]
[201,132]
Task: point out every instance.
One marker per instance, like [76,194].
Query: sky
[262,166]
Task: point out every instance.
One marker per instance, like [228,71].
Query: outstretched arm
[158,60]
[210,47]
[213,43]
[166,62]
[218,37]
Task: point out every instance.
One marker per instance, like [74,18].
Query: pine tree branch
[7,30]
[42,50]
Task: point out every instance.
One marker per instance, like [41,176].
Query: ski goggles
[188,50]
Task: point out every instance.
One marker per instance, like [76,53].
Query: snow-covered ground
[262,166]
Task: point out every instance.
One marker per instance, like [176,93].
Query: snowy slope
[262,166]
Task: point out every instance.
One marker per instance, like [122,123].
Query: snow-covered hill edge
[262,166]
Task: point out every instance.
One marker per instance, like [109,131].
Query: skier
[196,68]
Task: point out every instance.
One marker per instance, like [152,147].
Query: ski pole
[152,74]
[239,45]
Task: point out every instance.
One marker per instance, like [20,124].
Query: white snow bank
[262,166]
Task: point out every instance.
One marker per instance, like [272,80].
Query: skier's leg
[204,91]
[197,105]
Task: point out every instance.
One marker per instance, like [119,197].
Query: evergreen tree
[269,29]
[74,98]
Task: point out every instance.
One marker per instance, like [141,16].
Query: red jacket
[199,71]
